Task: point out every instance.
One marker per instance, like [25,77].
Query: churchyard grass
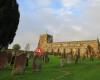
[53,71]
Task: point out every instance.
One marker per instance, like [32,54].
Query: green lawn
[53,71]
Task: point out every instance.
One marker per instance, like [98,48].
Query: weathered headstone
[62,59]
[19,64]
[46,57]
[37,59]
[12,60]
[77,56]
[3,60]
[37,63]
[9,57]
[69,56]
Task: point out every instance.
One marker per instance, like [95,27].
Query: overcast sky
[64,19]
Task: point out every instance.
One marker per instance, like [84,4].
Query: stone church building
[47,44]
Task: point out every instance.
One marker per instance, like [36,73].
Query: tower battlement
[45,39]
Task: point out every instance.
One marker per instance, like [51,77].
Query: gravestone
[69,56]
[77,56]
[9,57]
[19,64]
[46,57]
[62,59]
[3,60]
[37,59]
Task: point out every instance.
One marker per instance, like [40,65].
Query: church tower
[44,39]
